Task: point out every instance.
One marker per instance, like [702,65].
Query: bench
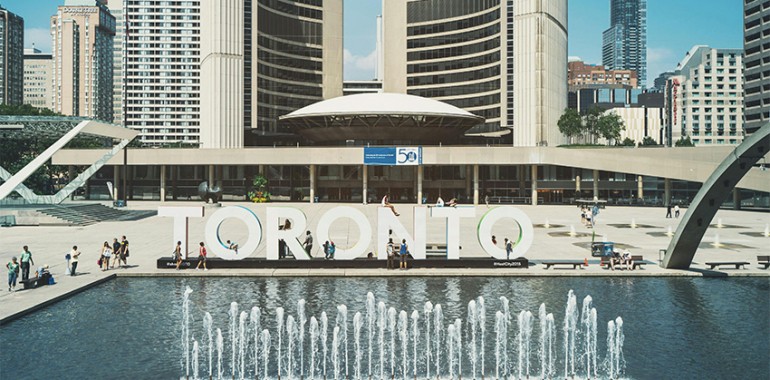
[552,263]
[638,261]
[764,261]
[738,264]
[34,282]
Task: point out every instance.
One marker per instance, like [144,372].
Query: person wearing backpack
[403,251]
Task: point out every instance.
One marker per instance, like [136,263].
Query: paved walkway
[740,239]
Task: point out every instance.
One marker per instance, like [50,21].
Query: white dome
[380,104]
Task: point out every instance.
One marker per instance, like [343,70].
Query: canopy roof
[381,117]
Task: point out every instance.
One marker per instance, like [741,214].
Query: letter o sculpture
[521,243]
[364,228]
[244,215]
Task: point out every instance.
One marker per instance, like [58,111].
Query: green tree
[649,141]
[25,110]
[570,123]
[591,125]
[609,125]
[627,142]
[684,141]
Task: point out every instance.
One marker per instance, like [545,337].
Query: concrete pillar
[174,173]
[522,180]
[467,181]
[419,184]
[577,183]
[211,176]
[312,183]
[596,185]
[261,169]
[476,184]
[116,182]
[666,191]
[736,199]
[639,187]
[365,180]
[534,185]
[163,183]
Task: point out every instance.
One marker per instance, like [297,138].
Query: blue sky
[673,27]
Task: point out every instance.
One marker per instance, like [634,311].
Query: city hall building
[471,91]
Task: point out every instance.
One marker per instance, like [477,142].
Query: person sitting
[452,202]
[439,202]
[386,203]
[233,246]
[43,275]
[615,259]
[626,259]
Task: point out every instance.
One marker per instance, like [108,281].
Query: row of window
[454,38]
[453,65]
[454,25]
[454,78]
[454,51]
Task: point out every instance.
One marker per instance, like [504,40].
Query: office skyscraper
[38,68]
[624,44]
[11,58]
[504,60]
[756,31]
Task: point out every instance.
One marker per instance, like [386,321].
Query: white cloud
[359,67]
[660,60]
[40,37]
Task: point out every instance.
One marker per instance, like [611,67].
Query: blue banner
[392,156]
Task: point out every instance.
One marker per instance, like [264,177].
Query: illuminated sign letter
[453,215]
[180,215]
[214,238]
[387,221]
[364,231]
[298,224]
[521,243]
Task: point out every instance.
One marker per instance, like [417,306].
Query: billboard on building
[392,156]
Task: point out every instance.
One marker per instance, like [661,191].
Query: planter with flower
[258,192]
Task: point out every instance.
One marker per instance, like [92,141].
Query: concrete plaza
[740,238]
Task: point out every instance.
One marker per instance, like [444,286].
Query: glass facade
[454,52]
[625,42]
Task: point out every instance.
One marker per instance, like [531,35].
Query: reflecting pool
[639,328]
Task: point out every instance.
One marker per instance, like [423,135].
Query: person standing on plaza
[13,273]
[386,203]
[26,261]
[178,254]
[106,254]
[403,251]
[123,251]
[332,250]
[75,257]
[508,249]
[326,250]
[676,211]
[390,249]
[202,257]
[308,243]
[115,246]
[668,211]
[594,213]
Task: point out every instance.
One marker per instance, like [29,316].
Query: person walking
[75,257]
[202,257]
[390,249]
[308,243]
[178,254]
[403,251]
[508,249]
[123,251]
[668,211]
[594,213]
[26,260]
[13,273]
[676,211]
